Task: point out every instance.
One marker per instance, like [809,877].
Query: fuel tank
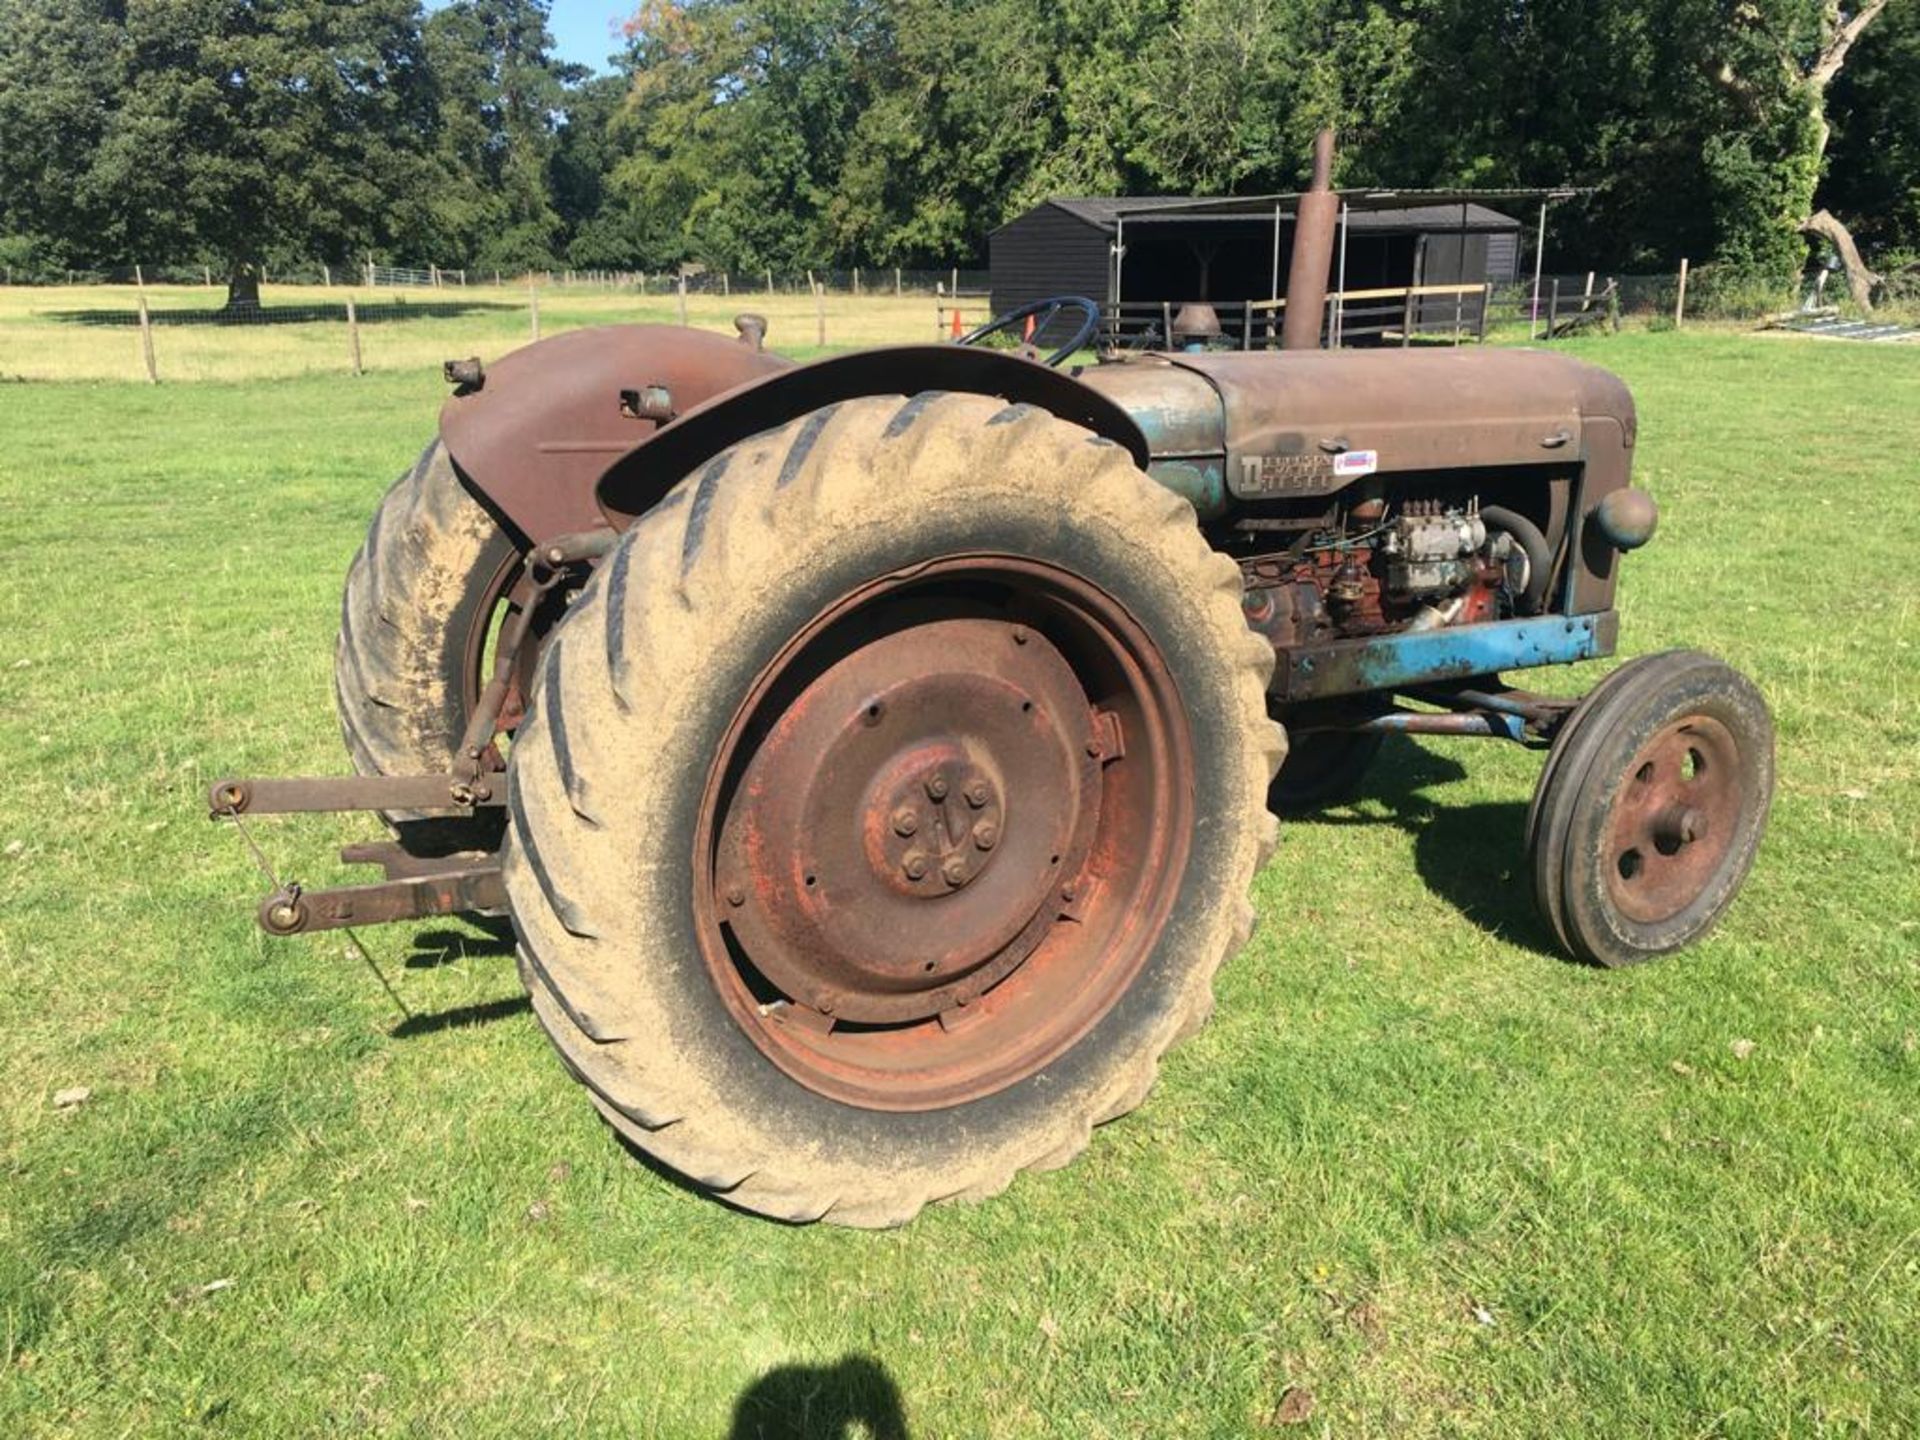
[1248,426]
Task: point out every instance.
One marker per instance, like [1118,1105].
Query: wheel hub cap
[1673,819]
[901,829]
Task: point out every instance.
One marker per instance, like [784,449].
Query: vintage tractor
[874,756]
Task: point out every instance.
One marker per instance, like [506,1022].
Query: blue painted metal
[1202,481]
[1393,662]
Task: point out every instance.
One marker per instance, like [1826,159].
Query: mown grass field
[1418,1176]
[43,337]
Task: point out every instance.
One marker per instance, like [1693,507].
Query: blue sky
[583,30]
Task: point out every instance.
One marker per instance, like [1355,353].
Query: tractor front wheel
[1651,806]
[887,804]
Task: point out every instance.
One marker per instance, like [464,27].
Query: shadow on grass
[374,314]
[1472,856]
[854,1397]
[461,1017]
[434,948]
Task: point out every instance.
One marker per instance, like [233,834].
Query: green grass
[1417,1167]
[40,338]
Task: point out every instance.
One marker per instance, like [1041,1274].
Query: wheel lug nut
[985,835]
[916,866]
[937,787]
[905,822]
[954,872]
[978,794]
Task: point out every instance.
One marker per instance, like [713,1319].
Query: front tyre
[1651,807]
[889,801]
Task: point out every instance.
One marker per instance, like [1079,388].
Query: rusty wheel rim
[507,591]
[943,832]
[1673,819]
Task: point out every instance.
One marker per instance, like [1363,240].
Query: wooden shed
[1167,249]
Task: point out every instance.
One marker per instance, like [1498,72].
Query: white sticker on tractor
[1354,463]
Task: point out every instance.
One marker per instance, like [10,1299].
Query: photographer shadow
[853,1399]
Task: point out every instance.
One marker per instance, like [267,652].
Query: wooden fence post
[533,304]
[146,341]
[207,270]
[326,274]
[896,282]
[1406,319]
[820,314]
[726,285]
[139,278]
[682,292]
[353,336]
[1486,312]
[1680,300]
[769,282]
[1553,309]
[956,281]
[856,280]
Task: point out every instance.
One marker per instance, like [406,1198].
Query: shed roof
[1376,210]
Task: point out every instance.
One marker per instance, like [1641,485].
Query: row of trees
[788,133]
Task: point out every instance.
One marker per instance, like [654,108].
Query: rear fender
[639,479]
[534,436]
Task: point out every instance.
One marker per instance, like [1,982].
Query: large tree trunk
[1861,281]
[243,286]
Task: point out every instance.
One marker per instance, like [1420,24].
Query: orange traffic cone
[1028,337]
[958,329]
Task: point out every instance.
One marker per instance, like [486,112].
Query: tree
[1774,62]
[500,96]
[238,130]
[743,111]
[60,63]
[1874,169]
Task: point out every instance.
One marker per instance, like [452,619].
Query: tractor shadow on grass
[854,1397]
[1472,856]
[435,948]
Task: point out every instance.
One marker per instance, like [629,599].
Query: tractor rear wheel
[423,594]
[888,802]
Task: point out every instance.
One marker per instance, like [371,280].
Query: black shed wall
[1047,252]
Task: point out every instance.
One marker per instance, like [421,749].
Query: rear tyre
[1651,807]
[420,597]
[890,799]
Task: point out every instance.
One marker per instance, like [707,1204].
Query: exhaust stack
[1313,235]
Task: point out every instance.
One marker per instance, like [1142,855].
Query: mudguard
[533,437]
[637,481]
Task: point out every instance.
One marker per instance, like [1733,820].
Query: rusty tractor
[874,756]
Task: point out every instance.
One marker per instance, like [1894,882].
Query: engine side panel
[1299,422]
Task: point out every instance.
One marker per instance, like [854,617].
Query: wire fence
[816,307]
[697,279]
